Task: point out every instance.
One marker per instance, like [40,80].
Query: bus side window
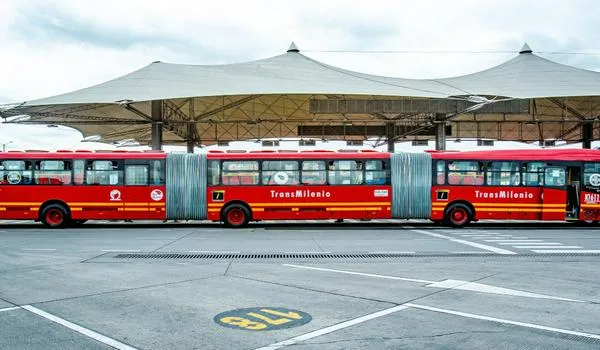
[157,175]
[313,172]
[78,171]
[375,172]
[214,172]
[534,174]
[441,172]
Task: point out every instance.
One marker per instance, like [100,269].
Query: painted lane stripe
[529,243]
[472,244]
[513,240]
[566,251]
[9,308]
[87,332]
[333,328]
[505,321]
[548,247]
[451,284]
[360,274]
[214,251]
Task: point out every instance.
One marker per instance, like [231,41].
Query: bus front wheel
[55,216]
[236,215]
[458,215]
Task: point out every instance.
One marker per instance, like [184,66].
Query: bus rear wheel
[458,215]
[55,216]
[236,215]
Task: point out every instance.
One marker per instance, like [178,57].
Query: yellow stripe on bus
[353,209]
[316,204]
[136,209]
[509,205]
[21,204]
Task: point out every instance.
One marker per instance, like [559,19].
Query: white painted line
[392,252]
[529,243]
[121,250]
[359,273]
[505,321]
[450,284]
[39,249]
[9,308]
[513,240]
[548,247]
[87,332]
[563,251]
[472,244]
[333,328]
[486,288]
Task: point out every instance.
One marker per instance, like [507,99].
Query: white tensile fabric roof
[524,76]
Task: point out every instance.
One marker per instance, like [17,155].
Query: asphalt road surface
[355,285]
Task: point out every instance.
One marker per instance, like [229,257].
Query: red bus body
[302,202]
[464,186]
[84,202]
[520,202]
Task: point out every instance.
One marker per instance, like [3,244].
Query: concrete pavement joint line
[121,250]
[333,328]
[10,308]
[472,244]
[174,241]
[504,321]
[39,249]
[79,329]
[449,284]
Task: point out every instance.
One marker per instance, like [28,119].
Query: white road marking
[121,250]
[9,308]
[513,240]
[87,332]
[529,243]
[39,249]
[447,284]
[548,247]
[505,321]
[360,274]
[485,288]
[563,251]
[392,252]
[333,328]
[472,244]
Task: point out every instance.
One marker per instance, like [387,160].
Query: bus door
[554,193]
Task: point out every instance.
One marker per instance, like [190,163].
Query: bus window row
[508,173]
[505,173]
[82,172]
[294,172]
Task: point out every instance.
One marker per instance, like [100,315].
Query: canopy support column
[191,137]
[390,129]
[157,124]
[587,133]
[440,132]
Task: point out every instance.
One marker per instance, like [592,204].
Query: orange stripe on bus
[353,209]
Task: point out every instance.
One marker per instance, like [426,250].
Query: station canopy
[291,95]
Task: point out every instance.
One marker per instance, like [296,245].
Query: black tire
[236,215]
[458,215]
[55,216]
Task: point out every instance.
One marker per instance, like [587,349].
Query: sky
[52,47]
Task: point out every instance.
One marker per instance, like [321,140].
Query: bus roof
[528,154]
[81,154]
[316,154]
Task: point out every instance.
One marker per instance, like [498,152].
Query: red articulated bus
[547,184]
[69,187]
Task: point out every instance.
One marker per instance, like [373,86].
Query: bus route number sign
[262,318]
